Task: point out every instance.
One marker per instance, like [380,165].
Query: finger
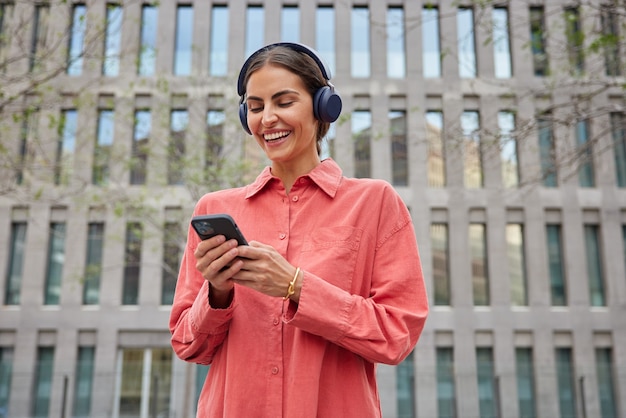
[208,244]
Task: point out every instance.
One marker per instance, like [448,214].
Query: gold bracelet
[292,284]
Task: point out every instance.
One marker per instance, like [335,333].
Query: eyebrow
[275,95]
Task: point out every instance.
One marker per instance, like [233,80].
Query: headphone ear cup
[326,105]
[243,117]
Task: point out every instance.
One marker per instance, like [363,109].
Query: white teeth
[275,135]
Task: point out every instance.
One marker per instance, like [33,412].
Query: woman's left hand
[266,271]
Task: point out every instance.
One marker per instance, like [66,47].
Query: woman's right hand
[216,261]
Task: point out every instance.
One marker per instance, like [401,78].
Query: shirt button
[274,370]
[295,198]
[283,236]
[276,321]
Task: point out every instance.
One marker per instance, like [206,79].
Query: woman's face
[280,115]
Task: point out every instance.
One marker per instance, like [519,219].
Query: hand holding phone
[207,226]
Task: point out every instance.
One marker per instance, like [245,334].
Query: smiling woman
[294,323]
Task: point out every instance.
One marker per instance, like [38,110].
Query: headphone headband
[241,88]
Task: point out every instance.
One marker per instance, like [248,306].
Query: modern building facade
[501,126]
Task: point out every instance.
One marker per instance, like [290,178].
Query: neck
[288,173]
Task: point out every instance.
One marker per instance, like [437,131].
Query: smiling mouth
[275,136]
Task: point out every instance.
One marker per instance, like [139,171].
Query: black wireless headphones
[326,103]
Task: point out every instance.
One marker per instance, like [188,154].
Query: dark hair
[301,65]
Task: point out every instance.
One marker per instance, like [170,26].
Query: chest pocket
[331,254]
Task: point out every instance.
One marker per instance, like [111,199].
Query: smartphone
[208,226]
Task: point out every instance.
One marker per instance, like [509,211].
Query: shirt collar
[326,175]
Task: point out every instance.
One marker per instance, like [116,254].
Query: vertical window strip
[586,177]
[508,149]
[609,21]
[525,374]
[487,399]
[517,269]
[64,168]
[290,24]
[176,161]
[160,386]
[440,260]
[17,256]
[478,259]
[83,383]
[255,29]
[361,134]
[405,387]
[112,40]
[558,290]
[214,143]
[575,38]
[606,382]
[360,34]
[470,125]
[39,36]
[56,260]
[431,47]
[325,35]
[148,50]
[6,373]
[102,151]
[396,60]
[184,40]
[172,236]
[132,263]
[501,43]
[436,152]
[538,40]
[595,273]
[218,55]
[77,38]
[547,152]
[566,385]
[446,389]
[399,148]
[44,367]
[466,43]
[132,376]
[140,147]
[618,130]
[93,263]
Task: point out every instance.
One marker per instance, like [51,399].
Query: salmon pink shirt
[362,301]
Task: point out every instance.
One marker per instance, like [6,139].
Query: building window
[255,29]
[575,39]
[618,130]
[486,382]
[566,387]
[606,382]
[83,383]
[325,35]
[171,257]
[470,125]
[547,152]
[431,47]
[147,50]
[593,251]
[538,41]
[28,132]
[218,58]
[466,43]
[64,167]
[102,151]
[77,38]
[478,259]
[17,255]
[42,387]
[40,32]
[516,259]
[558,289]
[179,121]
[6,14]
[93,263]
[436,152]
[140,148]
[215,139]
[405,387]
[6,372]
[609,19]
[440,254]
[360,35]
[446,391]
[396,61]
[290,24]
[112,40]
[184,40]
[586,176]
[361,134]
[132,263]
[146,380]
[56,260]
[508,149]
[525,373]
[399,151]
[501,43]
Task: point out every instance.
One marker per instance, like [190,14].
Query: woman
[330,284]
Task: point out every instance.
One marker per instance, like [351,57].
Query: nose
[269,116]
